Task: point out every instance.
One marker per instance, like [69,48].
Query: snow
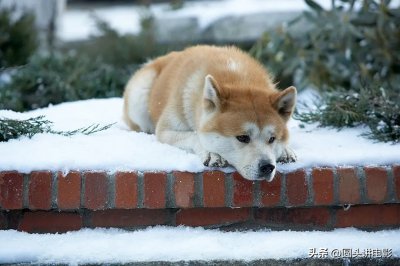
[114,149]
[80,24]
[183,243]
[118,149]
[208,12]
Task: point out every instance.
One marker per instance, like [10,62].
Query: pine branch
[13,128]
[373,106]
[84,130]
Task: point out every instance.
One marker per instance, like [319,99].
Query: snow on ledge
[118,149]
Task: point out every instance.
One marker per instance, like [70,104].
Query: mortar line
[283,200]
[170,195]
[391,193]
[111,191]
[229,186]
[363,184]
[25,190]
[54,190]
[198,190]
[310,189]
[336,181]
[83,187]
[257,194]
[140,189]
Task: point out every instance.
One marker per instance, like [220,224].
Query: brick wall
[318,198]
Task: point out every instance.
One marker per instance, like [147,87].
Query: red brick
[300,217]
[349,186]
[376,183]
[396,174]
[271,191]
[369,216]
[126,190]
[40,190]
[69,191]
[50,222]
[96,188]
[242,191]
[323,186]
[214,189]
[184,189]
[11,187]
[155,185]
[212,216]
[296,187]
[129,218]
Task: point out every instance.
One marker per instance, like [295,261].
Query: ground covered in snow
[79,24]
[120,149]
[183,243]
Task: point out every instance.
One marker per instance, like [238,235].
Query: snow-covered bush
[57,78]
[351,54]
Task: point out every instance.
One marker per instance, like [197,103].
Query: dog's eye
[243,138]
[271,140]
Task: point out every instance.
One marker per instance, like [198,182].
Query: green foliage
[341,47]
[12,128]
[57,78]
[374,107]
[343,52]
[18,38]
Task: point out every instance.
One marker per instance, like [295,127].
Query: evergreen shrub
[18,38]
[57,78]
[351,54]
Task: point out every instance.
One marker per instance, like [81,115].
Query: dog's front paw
[288,156]
[214,160]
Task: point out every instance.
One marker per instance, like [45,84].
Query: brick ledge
[314,193]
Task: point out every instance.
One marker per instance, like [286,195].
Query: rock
[245,28]
[172,30]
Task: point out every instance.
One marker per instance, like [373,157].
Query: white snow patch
[79,24]
[118,149]
[183,243]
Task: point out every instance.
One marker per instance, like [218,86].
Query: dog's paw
[214,160]
[288,156]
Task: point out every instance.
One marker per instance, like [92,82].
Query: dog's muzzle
[265,170]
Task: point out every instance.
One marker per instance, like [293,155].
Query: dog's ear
[211,93]
[285,101]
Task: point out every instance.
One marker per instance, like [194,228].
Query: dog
[217,102]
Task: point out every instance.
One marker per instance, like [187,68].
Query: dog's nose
[265,168]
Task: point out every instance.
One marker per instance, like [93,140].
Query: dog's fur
[202,98]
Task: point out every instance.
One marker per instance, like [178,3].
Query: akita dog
[217,102]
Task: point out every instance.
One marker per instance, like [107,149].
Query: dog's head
[246,126]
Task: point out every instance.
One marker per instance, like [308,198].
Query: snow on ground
[183,243]
[80,24]
[120,149]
